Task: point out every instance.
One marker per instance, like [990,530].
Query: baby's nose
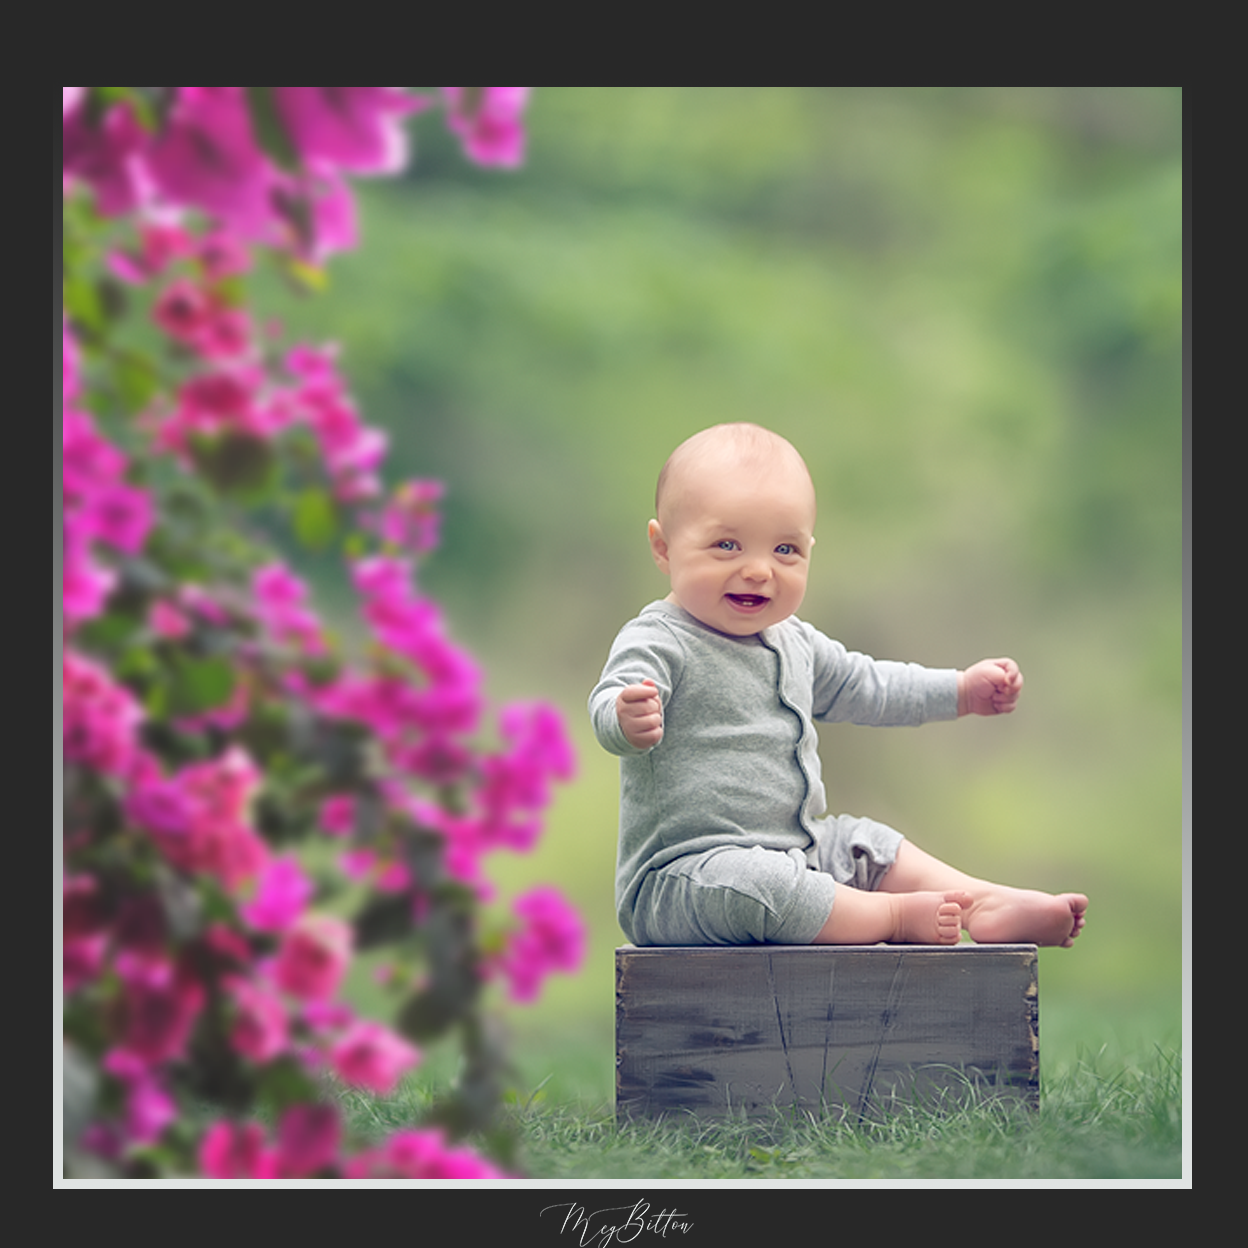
[757,570]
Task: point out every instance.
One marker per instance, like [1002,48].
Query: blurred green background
[963,304]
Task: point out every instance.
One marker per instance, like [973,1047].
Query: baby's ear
[658,546]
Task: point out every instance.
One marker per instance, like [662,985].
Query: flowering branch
[214,729]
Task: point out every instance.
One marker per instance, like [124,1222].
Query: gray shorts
[733,895]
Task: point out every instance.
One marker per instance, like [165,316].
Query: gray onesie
[724,835]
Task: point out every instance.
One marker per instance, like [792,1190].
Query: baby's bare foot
[930,918]
[1013,915]
[1078,909]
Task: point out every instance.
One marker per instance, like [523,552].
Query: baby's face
[737,544]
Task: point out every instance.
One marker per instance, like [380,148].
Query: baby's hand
[640,713]
[991,687]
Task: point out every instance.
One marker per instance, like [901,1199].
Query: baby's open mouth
[748,600]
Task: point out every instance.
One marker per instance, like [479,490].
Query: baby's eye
[786,548]
[726,544]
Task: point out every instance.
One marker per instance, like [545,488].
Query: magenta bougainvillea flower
[109,155]
[261,1028]
[161,999]
[100,717]
[490,125]
[355,129]
[371,1056]
[281,605]
[192,956]
[308,1139]
[551,938]
[420,1155]
[231,1150]
[207,158]
[282,892]
[313,957]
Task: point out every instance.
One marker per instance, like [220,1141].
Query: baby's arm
[640,713]
[627,706]
[990,687]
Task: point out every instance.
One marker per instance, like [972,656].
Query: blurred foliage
[963,304]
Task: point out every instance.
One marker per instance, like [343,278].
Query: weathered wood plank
[742,1030]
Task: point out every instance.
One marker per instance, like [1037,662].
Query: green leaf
[82,303]
[198,685]
[236,464]
[137,380]
[316,519]
[269,129]
[385,919]
[283,1083]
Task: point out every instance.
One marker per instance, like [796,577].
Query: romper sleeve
[850,687]
[645,649]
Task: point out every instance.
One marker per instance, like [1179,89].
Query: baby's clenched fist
[640,713]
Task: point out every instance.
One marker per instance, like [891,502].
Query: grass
[1109,1113]
[1095,1122]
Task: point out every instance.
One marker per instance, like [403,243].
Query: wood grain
[720,1031]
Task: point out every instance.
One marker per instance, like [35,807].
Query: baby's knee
[733,896]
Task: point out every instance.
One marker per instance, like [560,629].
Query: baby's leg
[916,918]
[995,913]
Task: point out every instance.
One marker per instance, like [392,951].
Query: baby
[710,698]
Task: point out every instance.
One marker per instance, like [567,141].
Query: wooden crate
[847,1029]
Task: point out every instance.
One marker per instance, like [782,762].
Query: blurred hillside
[961,303]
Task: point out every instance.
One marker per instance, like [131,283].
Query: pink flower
[552,938]
[222,255]
[202,603]
[183,309]
[165,620]
[82,960]
[120,516]
[71,97]
[162,1001]
[412,519]
[85,587]
[358,129]
[81,908]
[381,579]
[280,598]
[489,126]
[84,932]
[370,1056]
[516,788]
[230,1151]
[325,1017]
[337,815]
[101,717]
[163,242]
[420,1155]
[260,1030]
[160,244]
[149,1107]
[313,957]
[365,864]
[281,895]
[334,224]
[307,1140]
[108,155]
[200,817]
[207,158]
[201,320]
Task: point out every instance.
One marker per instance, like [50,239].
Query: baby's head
[734,527]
